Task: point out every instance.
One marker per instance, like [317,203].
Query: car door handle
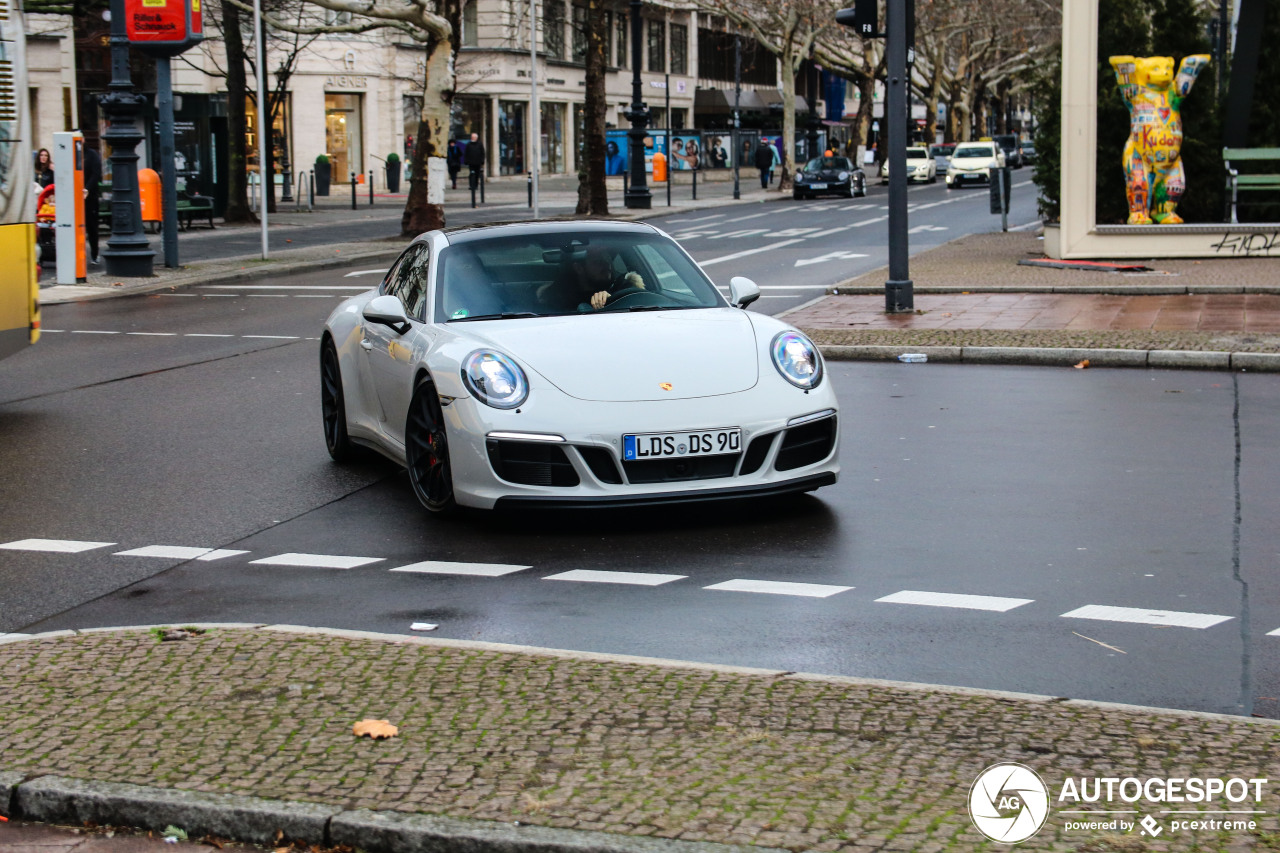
[366,343]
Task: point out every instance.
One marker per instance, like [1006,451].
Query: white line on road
[949,599]
[868,222]
[752,216]
[484,570]
[1142,616]
[56,546]
[274,337]
[755,251]
[172,552]
[220,554]
[316,561]
[1275,633]
[809,590]
[702,218]
[636,578]
[205,335]
[87,332]
[154,334]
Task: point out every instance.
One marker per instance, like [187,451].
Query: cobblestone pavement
[589,742]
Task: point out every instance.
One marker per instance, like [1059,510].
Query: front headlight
[797,359]
[494,379]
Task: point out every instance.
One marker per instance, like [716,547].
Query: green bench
[1256,181]
[191,206]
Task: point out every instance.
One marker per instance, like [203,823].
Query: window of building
[579,34]
[343,121]
[511,137]
[657,46]
[336,18]
[470,37]
[553,29]
[411,118]
[679,49]
[621,43]
[280,142]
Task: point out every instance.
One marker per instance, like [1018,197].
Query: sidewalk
[240,731]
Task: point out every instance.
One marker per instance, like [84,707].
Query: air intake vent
[806,444]
[531,463]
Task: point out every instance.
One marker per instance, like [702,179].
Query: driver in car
[589,280]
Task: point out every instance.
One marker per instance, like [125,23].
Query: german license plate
[817,186]
[667,445]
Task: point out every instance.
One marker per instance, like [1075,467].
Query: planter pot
[393,177]
[324,172]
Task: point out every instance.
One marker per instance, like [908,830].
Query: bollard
[311,190]
[482,187]
[371,188]
[695,184]
[531,190]
[473,194]
[626,181]
[353,190]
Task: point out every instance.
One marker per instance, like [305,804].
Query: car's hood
[630,356]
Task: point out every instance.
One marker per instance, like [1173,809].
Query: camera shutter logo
[1008,802]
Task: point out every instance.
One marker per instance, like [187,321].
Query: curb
[1258,362]
[254,820]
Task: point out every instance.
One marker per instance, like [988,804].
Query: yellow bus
[19,291]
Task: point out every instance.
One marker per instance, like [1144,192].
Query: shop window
[511,139]
[280,141]
[343,134]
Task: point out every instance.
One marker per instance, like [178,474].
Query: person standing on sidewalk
[474,158]
[455,162]
[764,162]
[92,198]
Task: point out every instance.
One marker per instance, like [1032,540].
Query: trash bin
[150,197]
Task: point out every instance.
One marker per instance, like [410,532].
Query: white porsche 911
[576,364]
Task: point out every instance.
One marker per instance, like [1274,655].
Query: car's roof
[470,233]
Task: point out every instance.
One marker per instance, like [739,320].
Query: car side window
[412,285]
[389,280]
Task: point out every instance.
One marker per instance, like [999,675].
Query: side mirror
[742,291]
[388,311]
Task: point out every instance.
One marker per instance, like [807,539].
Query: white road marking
[174,552]
[205,335]
[755,251]
[364,272]
[637,578]
[1142,616]
[752,216]
[88,332]
[316,561]
[56,546]
[220,554]
[270,295]
[920,228]
[830,256]
[283,286]
[1275,633]
[702,218]
[868,222]
[154,334]
[810,590]
[950,599]
[484,570]
[274,337]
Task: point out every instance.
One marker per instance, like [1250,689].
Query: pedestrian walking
[92,198]
[764,162]
[455,162]
[43,168]
[474,158]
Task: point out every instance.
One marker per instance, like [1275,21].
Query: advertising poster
[686,152]
[654,142]
[615,152]
[717,151]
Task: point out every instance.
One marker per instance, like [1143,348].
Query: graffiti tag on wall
[1249,245]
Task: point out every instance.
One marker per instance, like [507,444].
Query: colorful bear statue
[1154,180]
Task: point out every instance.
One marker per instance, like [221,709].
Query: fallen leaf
[376,729]
[1082,365]
[1099,642]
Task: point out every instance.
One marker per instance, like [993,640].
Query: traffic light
[863,17]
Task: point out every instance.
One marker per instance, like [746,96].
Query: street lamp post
[737,100]
[899,291]
[637,196]
[127,253]
[812,124]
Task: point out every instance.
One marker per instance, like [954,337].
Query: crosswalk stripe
[219,554]
[810,590]
[57,546]
[1142,616]
[636,578]
[173,552]
[951,599]
[484,570]
[1275,633]
[316,561]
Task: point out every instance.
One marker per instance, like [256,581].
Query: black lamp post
[127,253]
[737,117]
[812,124]
[638,195]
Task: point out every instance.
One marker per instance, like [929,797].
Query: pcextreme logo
[1010,803]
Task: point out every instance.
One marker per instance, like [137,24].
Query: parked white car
[972,162]
[577,364]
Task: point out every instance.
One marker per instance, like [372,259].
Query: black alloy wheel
[333,406]
[427,451]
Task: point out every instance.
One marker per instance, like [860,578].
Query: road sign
[164,27]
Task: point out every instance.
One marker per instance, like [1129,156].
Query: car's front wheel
[862,187]
[333,406]
[426,448]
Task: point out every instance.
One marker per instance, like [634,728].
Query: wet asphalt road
[1149,490]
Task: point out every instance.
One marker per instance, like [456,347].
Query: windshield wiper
[658,308]
[506,315]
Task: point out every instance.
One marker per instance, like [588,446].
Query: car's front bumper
[979,176]
[497,459]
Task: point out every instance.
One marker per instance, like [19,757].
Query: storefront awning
[773,98]
[720,101]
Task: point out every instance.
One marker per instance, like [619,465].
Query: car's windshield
[818,164]
[972,151]
[512,276]
[917,154]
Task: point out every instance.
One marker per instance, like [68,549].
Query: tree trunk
[866,107]
[789,63]
[424,211]
[593,194]
[237,123]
